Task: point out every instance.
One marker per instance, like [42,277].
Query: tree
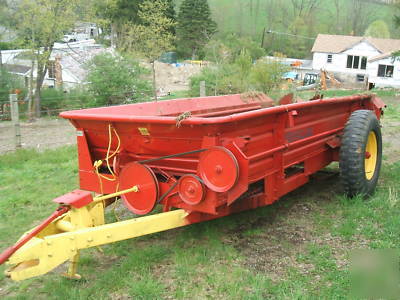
[231,46]
[116,80]
[152,36]
[118,13]
[378,29]
[40,24]
[396,6]
[303,8]
[358,16]
[195,26]
[5,20]
[171,14]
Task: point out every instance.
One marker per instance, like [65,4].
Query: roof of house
[339,43]
[75,61]
[17,69]
[381,56]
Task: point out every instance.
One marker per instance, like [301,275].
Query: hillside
[308,18]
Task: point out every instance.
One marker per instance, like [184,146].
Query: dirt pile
[175,77]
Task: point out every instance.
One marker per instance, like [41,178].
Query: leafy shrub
[56,100]
[8,83]
[239,77]
[51,99]
[117,80]
[229,48]
[267,75]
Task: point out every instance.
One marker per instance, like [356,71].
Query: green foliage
[152,36]
[195,27]
[9,45]
[230,47]
[119,11]
[54,100]
[240,76]
[249,18]
[378,29]
[8,82]
[170,13]
[122,12]
[41,23]
[267,75]
[116,80]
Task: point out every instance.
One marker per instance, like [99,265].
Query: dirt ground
[41,134]
[173,78]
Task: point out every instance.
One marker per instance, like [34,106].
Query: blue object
[290,75]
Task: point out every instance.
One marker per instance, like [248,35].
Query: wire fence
[17,131]
[51,106]
[43,134]
[20,129]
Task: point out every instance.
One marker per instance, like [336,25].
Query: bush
[117,80]
[239,77]
[56,100]
[51,99]
[229,48]
[8,83]
[267,75]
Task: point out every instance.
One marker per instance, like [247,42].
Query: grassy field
[298,248]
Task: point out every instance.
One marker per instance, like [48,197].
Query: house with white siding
[362,60]
[67,64]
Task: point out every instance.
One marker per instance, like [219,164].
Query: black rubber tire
[352,154]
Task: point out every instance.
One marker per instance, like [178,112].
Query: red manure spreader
[194,160]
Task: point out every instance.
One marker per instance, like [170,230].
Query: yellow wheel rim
[371,155]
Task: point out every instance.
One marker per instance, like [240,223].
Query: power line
[289,34]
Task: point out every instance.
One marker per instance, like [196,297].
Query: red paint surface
[267,142]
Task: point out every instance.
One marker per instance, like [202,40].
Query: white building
[67,65]
[358,59]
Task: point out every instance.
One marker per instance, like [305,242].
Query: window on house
[350,61]
[360,78]
[330,58]
[363,63]
[51,68]
[356,62]
[385,71]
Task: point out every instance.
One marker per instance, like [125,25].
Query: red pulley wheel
[219,169]
[143,201]
[191,189]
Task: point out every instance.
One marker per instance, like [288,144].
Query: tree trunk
[30,95]
[41,73]
[153,68]
[113,36]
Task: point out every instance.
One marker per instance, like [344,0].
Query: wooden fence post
[15,119]
[202,88]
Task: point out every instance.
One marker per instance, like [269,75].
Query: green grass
[341,93]
[299,248]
